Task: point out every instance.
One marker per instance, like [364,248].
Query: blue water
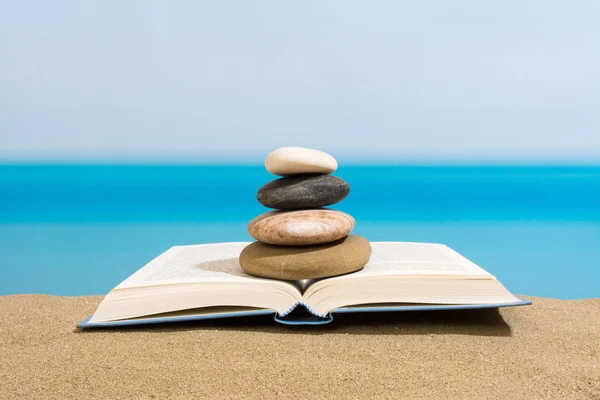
[73,230]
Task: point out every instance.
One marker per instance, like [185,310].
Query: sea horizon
[91,192]
[81,229]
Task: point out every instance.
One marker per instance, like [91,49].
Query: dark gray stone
[303,191]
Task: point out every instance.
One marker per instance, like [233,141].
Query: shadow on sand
[483,322]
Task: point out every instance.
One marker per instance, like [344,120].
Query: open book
[206,281]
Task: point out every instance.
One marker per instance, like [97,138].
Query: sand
[550,350]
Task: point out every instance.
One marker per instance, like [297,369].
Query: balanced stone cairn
[300,239]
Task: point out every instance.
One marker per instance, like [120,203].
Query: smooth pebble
[303,191]
[343,256]
[299,160]
[300,228]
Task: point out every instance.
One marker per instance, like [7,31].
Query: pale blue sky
[231,80]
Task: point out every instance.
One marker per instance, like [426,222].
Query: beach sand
[550,350]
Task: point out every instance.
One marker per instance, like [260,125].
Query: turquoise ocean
[82,229]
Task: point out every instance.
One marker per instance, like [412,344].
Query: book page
[403,258]
[400,272]
[197,263]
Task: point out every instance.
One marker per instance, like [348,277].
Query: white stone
[299,160]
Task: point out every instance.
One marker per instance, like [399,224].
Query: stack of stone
[300,239]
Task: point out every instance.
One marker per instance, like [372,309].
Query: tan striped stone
[300,228]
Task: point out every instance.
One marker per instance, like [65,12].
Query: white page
[404,258]
[217,262]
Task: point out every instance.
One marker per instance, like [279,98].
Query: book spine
[302,304]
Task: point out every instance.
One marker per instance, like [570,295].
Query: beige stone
[299,160]
[343,256]
[301,228]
